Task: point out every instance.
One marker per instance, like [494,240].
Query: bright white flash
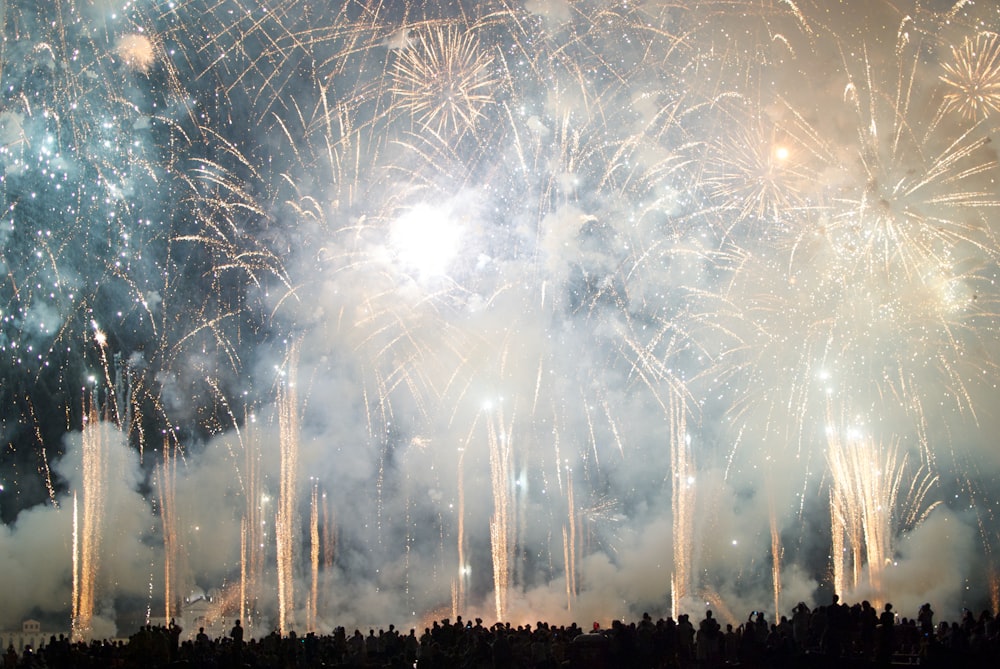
[425,239]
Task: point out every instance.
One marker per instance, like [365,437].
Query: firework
[502,521]
[972,79]
[444,80]
[882,272]
[137,52]
[682,507]
[569,545]
[89,529]
[252,531]
[776,553]
[285,524]
[314,552]
[460,586]
[166,478]
[759,169]
[868,501]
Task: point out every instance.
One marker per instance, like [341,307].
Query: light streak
[502,528]
[89,527]
[569,542]
[285,523]
[314,562]
[252,535]
[166,478]
[76,614]
[462,579]
[682,497]
[777,553]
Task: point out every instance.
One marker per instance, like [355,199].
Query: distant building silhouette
[30,634]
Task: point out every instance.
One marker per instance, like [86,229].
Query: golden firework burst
[137,52]
[443,80]
[759,170]
[973,78]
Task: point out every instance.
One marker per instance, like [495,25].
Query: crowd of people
[833,635]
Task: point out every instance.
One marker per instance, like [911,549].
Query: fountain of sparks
[314,555]
[88,527]
[460,583]
[502,522]
[869,502]
[569,543]
[166,483]
[252,532]
[682,505]
[777,553]
[286,517]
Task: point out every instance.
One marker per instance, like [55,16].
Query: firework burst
[972,78]
[444,80]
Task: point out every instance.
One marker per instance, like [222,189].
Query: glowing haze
[366,312]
